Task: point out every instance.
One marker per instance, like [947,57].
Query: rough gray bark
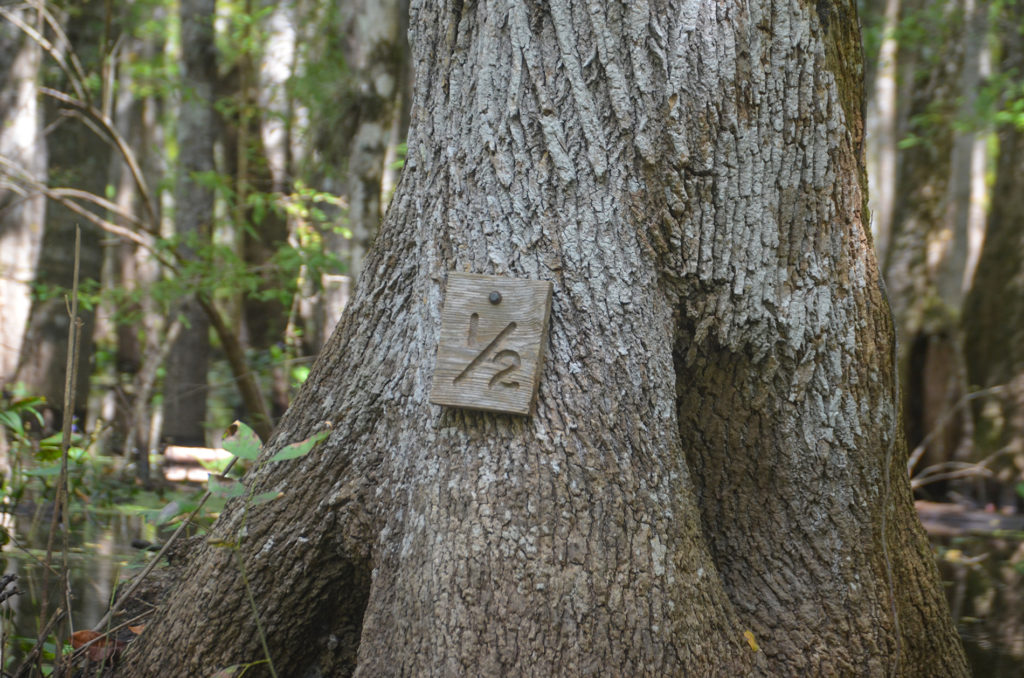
[22,149]
[716,445]
[185,384]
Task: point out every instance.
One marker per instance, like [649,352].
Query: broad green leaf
[296,450]
[242,441]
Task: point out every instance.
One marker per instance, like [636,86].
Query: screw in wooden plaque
[493,331]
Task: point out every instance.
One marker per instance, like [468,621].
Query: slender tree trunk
[77,159]
[376,54]
[129,268]
[927,253]
[185,384]
[994,310]
[22,149]
[883,126]
[712,481]
[264,316]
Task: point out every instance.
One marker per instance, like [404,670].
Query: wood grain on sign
[493,331]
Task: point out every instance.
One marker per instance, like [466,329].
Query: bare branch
[48,47]
[122,146]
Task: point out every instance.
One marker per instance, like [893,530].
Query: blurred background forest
[227,164]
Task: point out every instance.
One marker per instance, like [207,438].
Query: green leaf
[264,497]
[43,472]
[11,421]
[241,441]
[228,489]
[296,450]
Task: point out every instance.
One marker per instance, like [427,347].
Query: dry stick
[116,605]
[252,397]
[60,509]
[107,126]
[48,47]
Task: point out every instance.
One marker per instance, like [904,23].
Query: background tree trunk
[132,319]
[716,448]
[883,117]
[22,212]
[927,254]
[375,51]
[185,384]
[77,159]
[994,310]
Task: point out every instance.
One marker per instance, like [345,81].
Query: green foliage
[243,443]
[301,449]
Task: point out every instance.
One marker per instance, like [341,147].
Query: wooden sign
[493,331]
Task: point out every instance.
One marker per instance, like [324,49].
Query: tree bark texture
[187,363]
[994,309]
[22,213]
[715,457]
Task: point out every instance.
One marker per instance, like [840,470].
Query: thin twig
[59,520]
[60,195]
[255,613]
[940,425]
[47,46]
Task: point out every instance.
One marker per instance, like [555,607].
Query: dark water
[100,553]
[984,579]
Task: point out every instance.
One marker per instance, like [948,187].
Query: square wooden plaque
[493,331]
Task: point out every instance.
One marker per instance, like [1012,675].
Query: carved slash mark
[508,358]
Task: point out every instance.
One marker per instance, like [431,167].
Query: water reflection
[985,580]
[99,553]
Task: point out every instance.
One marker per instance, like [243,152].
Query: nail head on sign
[495,297]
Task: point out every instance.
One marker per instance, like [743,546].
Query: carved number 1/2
[508,359]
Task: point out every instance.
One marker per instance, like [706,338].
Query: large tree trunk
[716,446]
